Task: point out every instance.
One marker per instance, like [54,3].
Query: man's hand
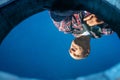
[92,20]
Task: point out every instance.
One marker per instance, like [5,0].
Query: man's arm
[98,27]
[92,20]
[103,9]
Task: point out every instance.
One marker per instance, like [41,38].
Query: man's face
[76,51]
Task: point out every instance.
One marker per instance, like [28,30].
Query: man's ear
[88,50]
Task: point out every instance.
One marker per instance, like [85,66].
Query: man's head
[80,47]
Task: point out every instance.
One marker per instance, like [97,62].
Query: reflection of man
[15,11]
[72,22]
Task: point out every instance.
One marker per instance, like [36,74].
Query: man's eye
[73,49]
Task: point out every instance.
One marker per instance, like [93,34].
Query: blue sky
[35,48]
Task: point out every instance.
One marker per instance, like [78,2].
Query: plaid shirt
[71,23]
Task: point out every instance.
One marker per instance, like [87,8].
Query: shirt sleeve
[106,30]
[62,22]
[99,30]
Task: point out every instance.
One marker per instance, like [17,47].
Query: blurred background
[36,49]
